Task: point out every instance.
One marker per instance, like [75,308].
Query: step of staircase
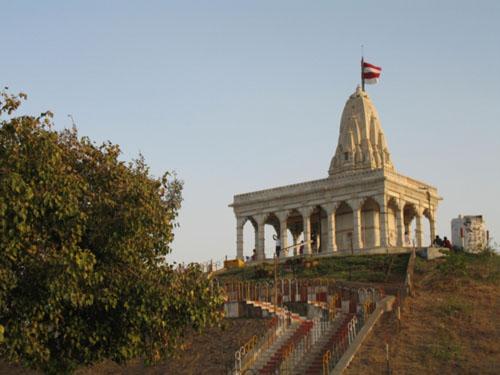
[277,357]
[268,306]
[264,357]
[314,362]
[310,360]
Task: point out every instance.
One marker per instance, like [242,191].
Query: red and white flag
[371,73]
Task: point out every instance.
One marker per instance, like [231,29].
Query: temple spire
[361,143]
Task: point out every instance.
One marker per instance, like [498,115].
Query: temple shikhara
[363,206]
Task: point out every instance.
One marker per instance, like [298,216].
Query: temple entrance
[295,232]
[370,223]
[249,238]
[427,228]
[392,223]
[271,229]
[410,228]
[319,234]
[344,227]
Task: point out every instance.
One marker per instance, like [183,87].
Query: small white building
[469,232]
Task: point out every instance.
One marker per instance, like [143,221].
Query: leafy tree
[83,240]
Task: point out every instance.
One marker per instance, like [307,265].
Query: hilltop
[450,326]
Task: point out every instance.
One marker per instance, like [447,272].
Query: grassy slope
[450,326]
[209,353]
[369,268]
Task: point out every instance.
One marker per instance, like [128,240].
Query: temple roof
[361,144]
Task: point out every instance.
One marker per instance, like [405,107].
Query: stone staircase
[312,363]
[270,308]
[271,358]
[294,344]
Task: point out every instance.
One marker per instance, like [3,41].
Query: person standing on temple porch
[278,245]
[407,239]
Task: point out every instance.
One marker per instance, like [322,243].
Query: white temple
[363,206]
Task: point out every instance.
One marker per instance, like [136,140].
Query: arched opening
[319,227]
[370,223]
[392,222]
[271,229]
[427,229]
[409,213]
[344,227]
[249,238]
[295,231]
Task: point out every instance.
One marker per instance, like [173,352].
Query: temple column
[283,216]
[432,222]
[383,225]
[260,236]
[306,219]
[419,232]
[256,237]
[356,233]
[400,225]
[240,222]
[409,233]
[330,209]
[295,237]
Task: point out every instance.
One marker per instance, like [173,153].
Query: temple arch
[392,222]
[370,223]
[249,237]
[296,231]
[344,226]
[272,228]
[429,229]
[319,229]
[409,214]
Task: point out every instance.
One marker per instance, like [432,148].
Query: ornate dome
[361,144]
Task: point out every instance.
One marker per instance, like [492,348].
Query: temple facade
[363,205]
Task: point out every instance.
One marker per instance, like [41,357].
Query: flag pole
[362,77]
[362,63]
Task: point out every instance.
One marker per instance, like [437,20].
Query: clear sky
[243,95]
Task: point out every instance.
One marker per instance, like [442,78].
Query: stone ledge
[430,253]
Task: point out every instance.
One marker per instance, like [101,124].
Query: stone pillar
[295,237]
[410,234]
[331,244]
[260,243]
[419,232]
[380,234]
[306,220]
[356,233]
[383,226]
[432,221]
[283,216]
[240,222]
[400,225]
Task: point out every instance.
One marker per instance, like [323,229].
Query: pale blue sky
[243,95]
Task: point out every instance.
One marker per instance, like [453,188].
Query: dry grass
[450,326]
[209,353]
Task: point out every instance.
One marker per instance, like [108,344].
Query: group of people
[438,242]
[278,248]
[301,245]
[445,242]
